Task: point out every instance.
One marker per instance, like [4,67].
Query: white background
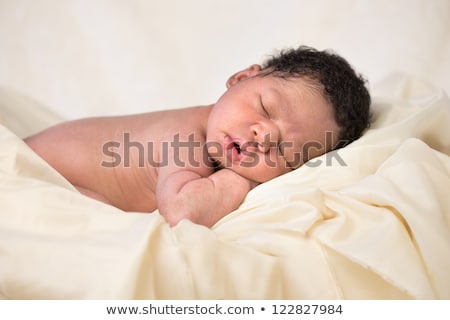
[105,57]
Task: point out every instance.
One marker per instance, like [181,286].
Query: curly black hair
[340,84]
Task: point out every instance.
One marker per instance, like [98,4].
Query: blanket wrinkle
[377,227]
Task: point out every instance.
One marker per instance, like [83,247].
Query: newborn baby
[199,163]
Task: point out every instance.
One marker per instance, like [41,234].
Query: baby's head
[298,105]
[335,79]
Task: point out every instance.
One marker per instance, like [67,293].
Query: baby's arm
[190,193]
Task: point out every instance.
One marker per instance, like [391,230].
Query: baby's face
[263,127]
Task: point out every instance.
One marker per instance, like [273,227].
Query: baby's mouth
[233,148]
[237,147]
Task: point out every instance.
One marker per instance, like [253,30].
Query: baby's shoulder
[188,124]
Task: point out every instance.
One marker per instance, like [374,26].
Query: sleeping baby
[199,163]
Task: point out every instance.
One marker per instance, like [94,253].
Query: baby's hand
[203,200]
[251,183]
[237,178]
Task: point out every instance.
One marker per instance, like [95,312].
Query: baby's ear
[251,71]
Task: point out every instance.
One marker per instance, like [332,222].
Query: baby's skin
[194,163]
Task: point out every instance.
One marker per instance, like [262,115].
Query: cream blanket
[370,222]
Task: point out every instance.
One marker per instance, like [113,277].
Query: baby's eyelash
[265,110]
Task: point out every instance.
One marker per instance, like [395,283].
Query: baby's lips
[232,148]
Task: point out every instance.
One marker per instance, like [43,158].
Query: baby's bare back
[116,159]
